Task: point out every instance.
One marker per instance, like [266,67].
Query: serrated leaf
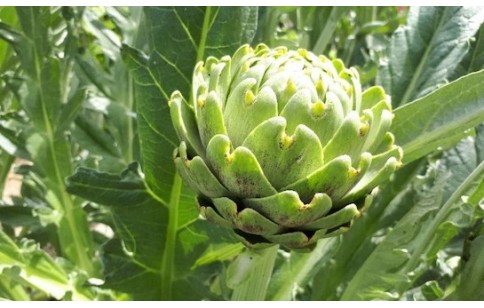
[126,193]
[424,54]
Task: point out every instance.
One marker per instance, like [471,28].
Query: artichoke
[282,146]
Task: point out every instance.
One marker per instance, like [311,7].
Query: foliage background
[102,214]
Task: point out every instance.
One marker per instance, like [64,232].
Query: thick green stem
[303,268]
[167,266]
[254,287]
[203,38]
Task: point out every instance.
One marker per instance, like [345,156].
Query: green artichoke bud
[282,146]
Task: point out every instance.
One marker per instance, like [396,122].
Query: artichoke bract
[282,146]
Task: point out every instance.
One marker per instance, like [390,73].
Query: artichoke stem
[254,287]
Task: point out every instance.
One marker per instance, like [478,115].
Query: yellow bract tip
[245,67]
[249,98]
[364,128]
[352,172]
[290,88]
[286,142]
[318,109]
[229,157]
[201,101]
[303,52]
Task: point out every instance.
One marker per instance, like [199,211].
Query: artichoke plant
[282,146]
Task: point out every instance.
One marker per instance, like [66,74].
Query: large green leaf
[424,54]
[178,38]
[429,122]
[127,194]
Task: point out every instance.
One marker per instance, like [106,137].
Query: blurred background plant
[66,101]
[83,94]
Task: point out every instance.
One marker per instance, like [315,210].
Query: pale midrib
[167,265]
[416,76]
[203,38]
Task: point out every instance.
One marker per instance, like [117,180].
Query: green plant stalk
[302,269]
[254,288]
[203,38]
[168,263]
[329,27]
[271,24]
[81,254]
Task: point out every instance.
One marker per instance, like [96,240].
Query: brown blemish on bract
[245,185]
[253,229]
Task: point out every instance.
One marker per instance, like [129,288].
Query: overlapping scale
[245,110]
[238,170]
[279,154]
